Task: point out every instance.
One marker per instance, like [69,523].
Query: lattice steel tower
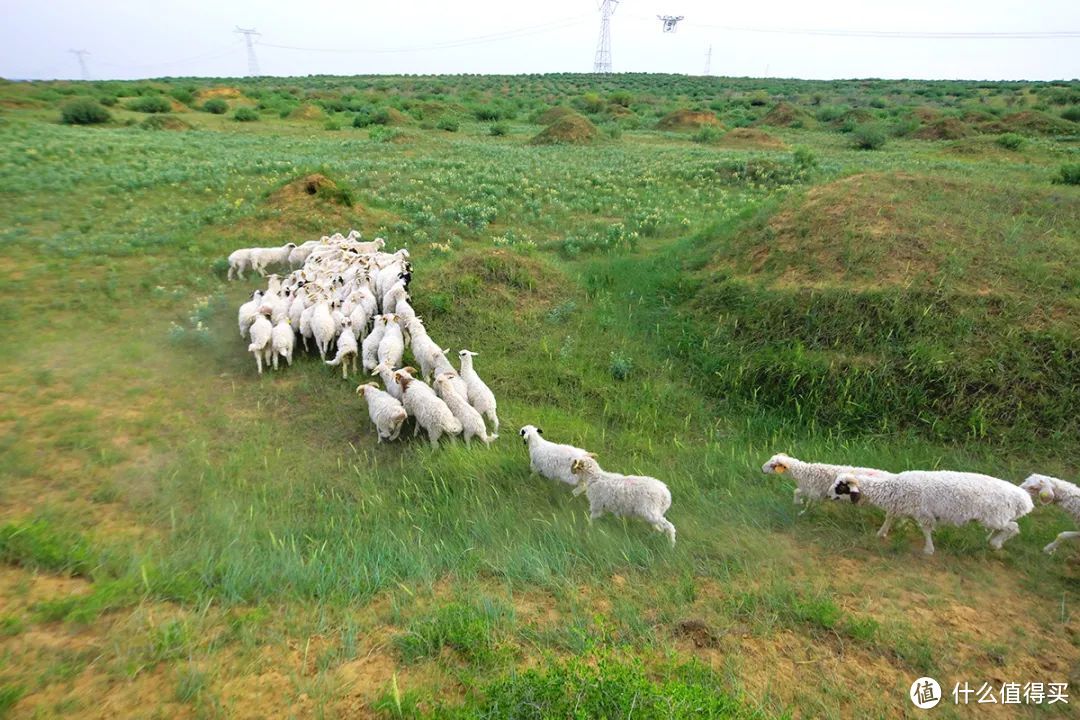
[81,54]
[253,62]
[602,63]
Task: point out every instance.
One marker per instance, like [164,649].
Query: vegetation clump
[84,112]
[568,130]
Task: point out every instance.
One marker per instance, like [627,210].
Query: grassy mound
[787,115]
[225,93]
[164,122]
[311,188]
[687,120]
[1033,122]
[307,111]
[944,129]
[752,138]
[552,114]
[567,130]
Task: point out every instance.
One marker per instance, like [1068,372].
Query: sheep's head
[380,242]
[778,464]
[529,431]
[846,484]
[291,246]
[466,353]
[1039,486]
[584,466]
[362,389]
[354,234]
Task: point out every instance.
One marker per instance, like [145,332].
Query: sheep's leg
[468,439]
[927,527]
[495,422]
[1004,534]
[275,361]
[345,368]
[289,358]
[229,275]
[258,360]
[661,525]
[1067,535]
[434,436]
[886,526]
[416,429]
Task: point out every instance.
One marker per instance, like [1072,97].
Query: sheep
[422,346]
[261,333]
[623,495]
[386,372]
[396,294]
[1052,490]
[370,348]
[369,247]
[480,395]
[282,341]
[933,496]
[323,327]
[299,254]
[239,261]
[261,257]
[471,422]
[249,311]
[385,411]
[440,365]
[548,459]
[346,349]
[430,412]
[392,345]
[813,480]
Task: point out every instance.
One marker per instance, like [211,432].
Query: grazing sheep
[281,341]
[323,327]
[471,422]
[239,261]
[249,311]
[933,496]
[392,345]
[346,349]
[814,481]
[370,348]
[385,411]
[1051,490]
[549,459]
[624,495]
[261,332]
[480,395]
[430,412]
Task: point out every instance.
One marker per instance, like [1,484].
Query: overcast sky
[129,39]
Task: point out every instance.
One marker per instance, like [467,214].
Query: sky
[127,39]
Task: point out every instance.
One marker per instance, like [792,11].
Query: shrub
[498,130]
[84,112]
[708,134]
[182,95]
[447,123]
[1010,141]
[804,158]
[371,116]
[1072,113]
[1068,174]
[870,136]
[150,104]
[621,366]
[107,100]
[216,106]
[245,115]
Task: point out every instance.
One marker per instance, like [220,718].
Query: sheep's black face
[841,488]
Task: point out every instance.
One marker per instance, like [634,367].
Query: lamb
[249,311]
[261,257]
[930,497]
[551,460]
[471,422]
[239,261]
[370,348]
[480,395]
[430,412]
[261,333]
[1052,490]
[623,495]
[385,411]
[282,341]
[813,480]
[346,349]
[323,327]
[392,345]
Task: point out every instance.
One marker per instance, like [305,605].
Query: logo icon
[925,693]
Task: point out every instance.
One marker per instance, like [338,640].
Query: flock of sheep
[350,295]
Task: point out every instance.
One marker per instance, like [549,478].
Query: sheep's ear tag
[1045,497]
[780,468]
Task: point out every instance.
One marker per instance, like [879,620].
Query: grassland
[181,538]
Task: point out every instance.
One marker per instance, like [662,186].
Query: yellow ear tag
[780,469]
[1046,496]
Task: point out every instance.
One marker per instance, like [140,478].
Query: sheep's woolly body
[624,495]
[551,460]
[471,422]
[480,395]
[323,328]
[347,350]
[370,348]
[941,496]
[248,312]
[441,366]
[263,257]
[239,261]
[282,341]
[813,481]
[1059,492]
[261,333]
[431,413]
[392,345]
[385,411]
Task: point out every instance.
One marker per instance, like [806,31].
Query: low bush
[1069,174]
[84,112]
[870,136]
[245,115]
[150,104]
[216,106]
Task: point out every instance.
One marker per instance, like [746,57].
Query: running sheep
[813,481]
[551,460]
[623,495]
[930,497]
[1052,491]
[430,413]
[385,411]
[480,395]
[471,422]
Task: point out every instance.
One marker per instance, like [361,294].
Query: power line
[904,34]
[602,60]
[211,55]
[81,54]
[253,62]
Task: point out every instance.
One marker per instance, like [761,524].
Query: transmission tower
[81,54]
[708,59]
[670,21]
[602,62]
[253,62]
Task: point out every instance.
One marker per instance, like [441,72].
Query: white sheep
[249,311]
[441,365]
[933,496]
[282,341]
[551,460]
[429,411]
[471,422]
[346,349]
[261,332]
[623,495]
[385,411]
[370,348]
[239,261]
[386,372]
[813,481]
[374,246]
[392,345]
[480,395]
[262,257]
[323,327]
[1051,490]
